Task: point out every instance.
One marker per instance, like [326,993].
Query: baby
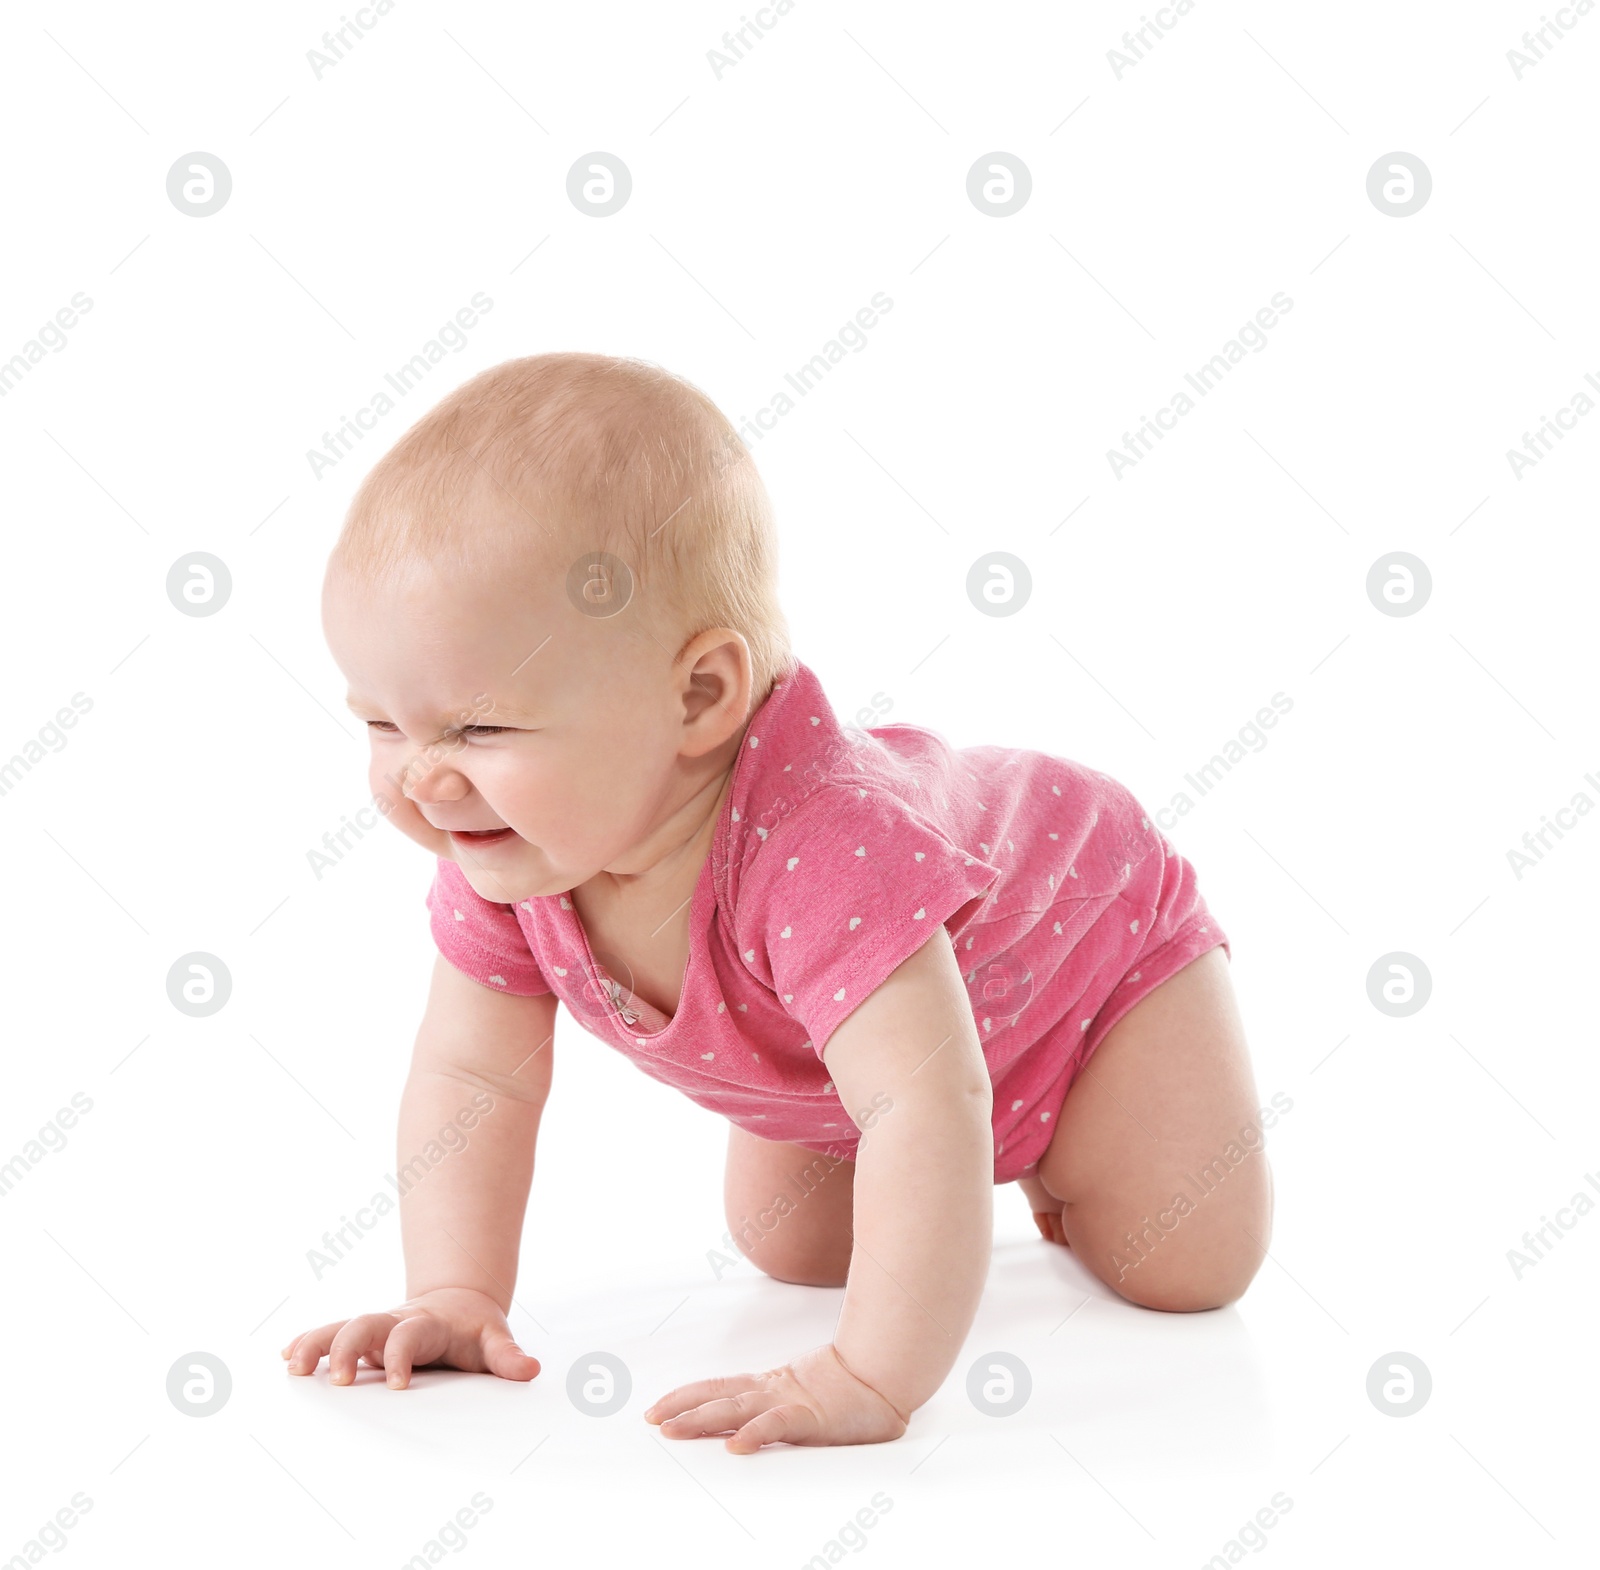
[886,962]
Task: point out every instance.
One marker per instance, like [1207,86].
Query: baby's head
[555,601]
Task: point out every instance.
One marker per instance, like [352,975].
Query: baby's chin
[512,879]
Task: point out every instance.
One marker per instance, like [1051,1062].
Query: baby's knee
[803,1266]
[810,1273]
[1188,1287]
[1175,1263]
[1185,1274]
[806,1255]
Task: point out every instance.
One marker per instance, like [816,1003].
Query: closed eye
[389,728]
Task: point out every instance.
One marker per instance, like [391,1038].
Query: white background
[1168,606]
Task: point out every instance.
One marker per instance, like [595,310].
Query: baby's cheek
[411,823]
[394,806]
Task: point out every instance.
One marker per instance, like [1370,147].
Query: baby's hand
[815,1400]
[453,1326]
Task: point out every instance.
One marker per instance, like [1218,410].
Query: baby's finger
[502,1356]
[306,1351]
[366,1333]
[716,1417]
[686,1396]
[418,1339]
[794,1425]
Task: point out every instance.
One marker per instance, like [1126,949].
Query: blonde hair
[571,453]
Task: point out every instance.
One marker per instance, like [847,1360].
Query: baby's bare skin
[1167,1088]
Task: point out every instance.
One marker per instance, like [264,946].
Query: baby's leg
[1157,1154]
[789,1209]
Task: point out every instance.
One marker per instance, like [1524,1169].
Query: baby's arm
[923,1226]
[924,1180]
[477,1052]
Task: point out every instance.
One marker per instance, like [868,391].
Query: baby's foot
[1046,1211]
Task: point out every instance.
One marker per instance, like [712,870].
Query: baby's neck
[663,872]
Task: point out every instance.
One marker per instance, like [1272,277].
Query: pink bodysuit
[837,852]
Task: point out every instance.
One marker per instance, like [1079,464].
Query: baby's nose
[431,779]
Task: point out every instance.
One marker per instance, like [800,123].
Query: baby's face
[492,703]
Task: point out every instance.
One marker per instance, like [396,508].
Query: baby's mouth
[482,836]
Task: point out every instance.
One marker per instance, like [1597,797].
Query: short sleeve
[481,938]
[843,891]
